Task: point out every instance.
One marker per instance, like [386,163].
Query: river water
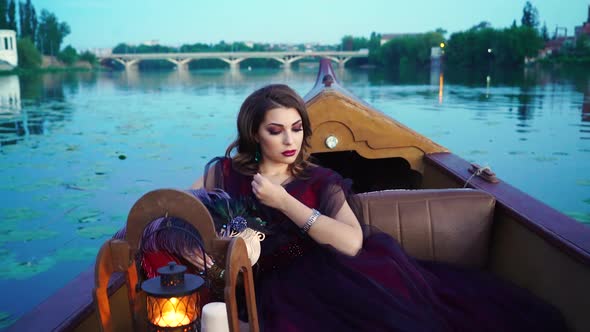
[78,149]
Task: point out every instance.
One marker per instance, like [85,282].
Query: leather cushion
[443,225]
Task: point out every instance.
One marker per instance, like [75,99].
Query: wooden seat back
[121,256]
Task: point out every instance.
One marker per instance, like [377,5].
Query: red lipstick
[289,153]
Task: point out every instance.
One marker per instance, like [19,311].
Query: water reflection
[10,109]
[586,108]
[9,95]
[36,104]
[64,176]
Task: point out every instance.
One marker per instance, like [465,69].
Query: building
[152,42]
[562,40]
[389,36]
[8,55]
[584,29]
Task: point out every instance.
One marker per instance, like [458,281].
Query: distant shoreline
[26,71]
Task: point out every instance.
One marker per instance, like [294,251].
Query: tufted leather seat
[444,225]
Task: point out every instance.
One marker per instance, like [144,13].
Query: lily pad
[38,186]
[6,319]
[543,159]
[76,254]
[96,232]
[85,216]
[26,236]
[472,152]
[517,153]
[587,201]
[73,147]
[21,270]
[585,182]
[580,216]
[18,214]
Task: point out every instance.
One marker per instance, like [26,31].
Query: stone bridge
[181,60]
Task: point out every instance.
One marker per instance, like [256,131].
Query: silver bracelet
[314,216]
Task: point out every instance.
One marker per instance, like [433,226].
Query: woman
[316,272]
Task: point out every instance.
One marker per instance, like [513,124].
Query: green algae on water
[21,270]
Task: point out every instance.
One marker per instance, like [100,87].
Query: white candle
[214,318]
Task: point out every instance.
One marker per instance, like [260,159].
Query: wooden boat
[531,244]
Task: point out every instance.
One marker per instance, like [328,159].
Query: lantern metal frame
[172,283]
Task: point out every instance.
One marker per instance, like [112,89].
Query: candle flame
[172,319]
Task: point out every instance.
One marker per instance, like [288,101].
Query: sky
[105,23]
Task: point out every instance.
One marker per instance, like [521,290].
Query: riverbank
[51,64]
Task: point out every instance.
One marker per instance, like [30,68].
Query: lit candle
[172,319]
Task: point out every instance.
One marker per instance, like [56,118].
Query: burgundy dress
[304,286]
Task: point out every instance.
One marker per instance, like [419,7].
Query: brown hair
[250,118]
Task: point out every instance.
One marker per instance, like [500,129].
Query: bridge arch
[181,60]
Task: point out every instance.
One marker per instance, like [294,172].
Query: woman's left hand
[269,194]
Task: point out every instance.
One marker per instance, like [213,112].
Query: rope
[478,172]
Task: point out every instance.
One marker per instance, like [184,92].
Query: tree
[88,57]
[502,47]
[11,15]
[410,51]
[544,32]
[28,55]
[28,20]
[350,43]
[530,16]
[51,33]
[3,14]
[482,25]
[375,49]
[68,55]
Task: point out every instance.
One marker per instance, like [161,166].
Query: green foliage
[28,55]
[51,33]
[11,15]
[350,43]
[576,54]
[3,14]
[375,57]
[410,50]
[544,32]
[583,45]
[88,57]
[28,20]
[123,48]
[197,47]
[507,47]
[68,55]
[530,16]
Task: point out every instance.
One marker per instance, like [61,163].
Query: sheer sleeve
[214,174]
[333,191]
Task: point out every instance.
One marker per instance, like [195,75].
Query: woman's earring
[257,154]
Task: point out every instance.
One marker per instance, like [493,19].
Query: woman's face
[280,135]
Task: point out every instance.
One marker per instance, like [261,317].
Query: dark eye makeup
[273,130]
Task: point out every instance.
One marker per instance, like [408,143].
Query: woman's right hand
[195,257]
[268,193]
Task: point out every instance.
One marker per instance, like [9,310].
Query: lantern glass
[172,299]
[172,312]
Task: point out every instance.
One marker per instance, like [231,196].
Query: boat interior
[447,210]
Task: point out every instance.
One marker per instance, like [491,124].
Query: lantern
[172,299]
